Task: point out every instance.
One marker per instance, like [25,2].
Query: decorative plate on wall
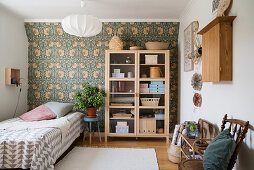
[196,81]
[197,100]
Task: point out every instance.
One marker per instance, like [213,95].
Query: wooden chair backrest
[238,131]
[207,130]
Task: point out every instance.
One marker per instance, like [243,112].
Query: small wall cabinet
[217,40]
[12,76]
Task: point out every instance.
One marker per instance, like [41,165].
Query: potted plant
[90,98]
[192,130]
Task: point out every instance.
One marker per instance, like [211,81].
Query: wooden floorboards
[159,145]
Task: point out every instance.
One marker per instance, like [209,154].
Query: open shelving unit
[10,74]
[140,119]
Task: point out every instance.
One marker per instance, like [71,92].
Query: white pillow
[60,109]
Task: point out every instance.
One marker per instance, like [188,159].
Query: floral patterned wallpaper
[58,63]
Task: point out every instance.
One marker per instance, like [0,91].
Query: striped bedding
[37,149]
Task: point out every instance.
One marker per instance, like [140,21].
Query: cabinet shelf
[125,118]
[122,64]
[151,79]
[152,64]
[121,79]
[120,93]
[119,107]
[151,135]
[152,93]
[152,107]
[122,134]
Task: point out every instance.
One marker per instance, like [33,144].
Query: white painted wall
[234,98]
[13,53]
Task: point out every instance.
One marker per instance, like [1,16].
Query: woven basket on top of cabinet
[150,101]
[116,43]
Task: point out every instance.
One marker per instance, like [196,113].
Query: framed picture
[188,47]
[215,5]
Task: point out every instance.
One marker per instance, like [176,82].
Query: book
[122,115]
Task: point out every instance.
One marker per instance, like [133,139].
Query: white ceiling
[103,9]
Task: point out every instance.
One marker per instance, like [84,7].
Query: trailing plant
[193,127]
[89,97]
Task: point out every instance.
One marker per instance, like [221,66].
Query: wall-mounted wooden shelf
[11,73]
[217,40]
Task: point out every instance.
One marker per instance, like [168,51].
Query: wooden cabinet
[217,38]
[129,77]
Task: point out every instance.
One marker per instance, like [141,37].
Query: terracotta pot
[91,112]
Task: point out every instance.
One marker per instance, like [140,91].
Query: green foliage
[193,126]
[90,96]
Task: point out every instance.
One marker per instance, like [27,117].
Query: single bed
[37,149]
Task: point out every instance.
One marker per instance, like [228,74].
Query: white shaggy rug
[82,158]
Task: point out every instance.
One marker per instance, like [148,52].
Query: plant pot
[91,112]
[191,136]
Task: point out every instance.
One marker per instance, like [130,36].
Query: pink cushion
[37,114]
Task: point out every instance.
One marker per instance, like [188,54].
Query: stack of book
[122,115]
[157,87]
[122,127]
[144,88]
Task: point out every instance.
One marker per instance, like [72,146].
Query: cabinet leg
[167,140]
[93,135]
[106,138]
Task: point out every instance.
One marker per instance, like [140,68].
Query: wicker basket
[174,153]
[115,43]
[150,101]
[156,45]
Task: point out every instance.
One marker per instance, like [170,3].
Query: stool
[90,121]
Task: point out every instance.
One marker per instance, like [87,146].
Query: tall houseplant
[90,98]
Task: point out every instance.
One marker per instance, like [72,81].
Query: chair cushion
[191,164]
[219,152]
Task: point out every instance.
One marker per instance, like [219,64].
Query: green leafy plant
[89,97]
[193,127]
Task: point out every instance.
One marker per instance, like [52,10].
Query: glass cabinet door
[122,90]
[152,84]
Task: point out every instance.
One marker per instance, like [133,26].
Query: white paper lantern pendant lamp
[82,25]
